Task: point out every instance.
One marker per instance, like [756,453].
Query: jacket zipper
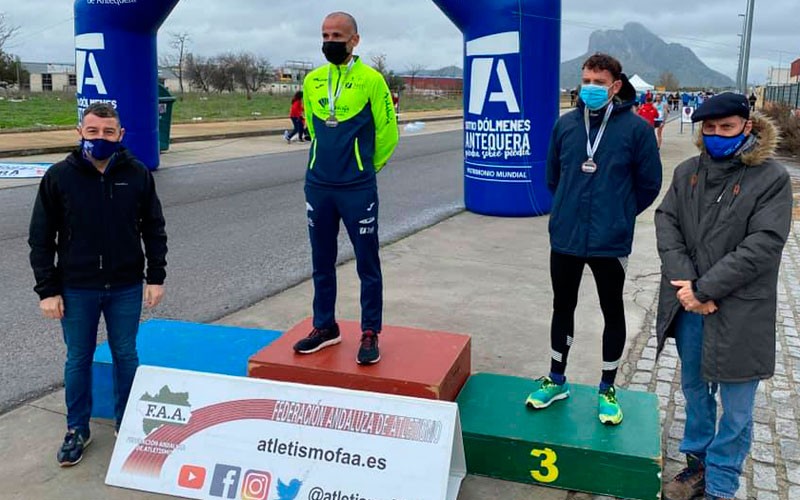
[102,198]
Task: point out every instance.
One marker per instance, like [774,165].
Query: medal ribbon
[591,149]
[339,86]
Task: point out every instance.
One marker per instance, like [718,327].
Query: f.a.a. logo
[87,71]
[487,65]
[164,408]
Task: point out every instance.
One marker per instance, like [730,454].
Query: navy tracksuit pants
[358,209]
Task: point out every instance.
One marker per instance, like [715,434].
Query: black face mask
[335,52]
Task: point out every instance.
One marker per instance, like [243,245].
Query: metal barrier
[786,94]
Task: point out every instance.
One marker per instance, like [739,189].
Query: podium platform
[177,344]
[418,363]
[562,446]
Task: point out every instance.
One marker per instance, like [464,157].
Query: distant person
[573,97]
[720,232]
[603,169]
[93,212]
[354,132]
[296,115]
[685,99]
[649,112]
[699,99]
[663,114]
[752,99]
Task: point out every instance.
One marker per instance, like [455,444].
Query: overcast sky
[413,32]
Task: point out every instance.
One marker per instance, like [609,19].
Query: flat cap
[723,105]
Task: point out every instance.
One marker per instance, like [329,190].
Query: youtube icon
[192,477]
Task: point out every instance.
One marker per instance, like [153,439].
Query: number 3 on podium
[548,464]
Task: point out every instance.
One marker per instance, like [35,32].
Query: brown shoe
[689,483]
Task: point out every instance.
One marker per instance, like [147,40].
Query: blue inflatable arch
[511,87]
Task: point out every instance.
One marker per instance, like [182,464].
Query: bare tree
[379,63]
[413,70]
[222,77]
[7,30]
[179,42]
[198,71]
[251,72]
[668,81]
[395,83]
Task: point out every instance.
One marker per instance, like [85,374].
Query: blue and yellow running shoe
[547,392]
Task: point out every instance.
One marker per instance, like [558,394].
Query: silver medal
[589,166]
[332,121]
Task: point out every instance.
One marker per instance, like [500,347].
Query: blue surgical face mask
[99,149]
[594,96]
[722,148]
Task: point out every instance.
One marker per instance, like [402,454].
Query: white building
[780,76]
[51,77]
[289,77]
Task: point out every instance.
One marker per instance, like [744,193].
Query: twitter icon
[289,491]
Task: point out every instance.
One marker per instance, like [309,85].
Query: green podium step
[564,446]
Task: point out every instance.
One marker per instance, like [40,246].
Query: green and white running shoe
[547,392]
[608,409]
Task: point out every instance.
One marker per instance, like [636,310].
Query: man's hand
[706,308]
[52,307]
[153,295]
[688,300]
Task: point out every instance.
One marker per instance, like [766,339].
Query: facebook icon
[225,482]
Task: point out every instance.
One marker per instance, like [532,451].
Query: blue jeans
[121,308]
[723,449]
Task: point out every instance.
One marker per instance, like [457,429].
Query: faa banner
[200,435]
[23,170]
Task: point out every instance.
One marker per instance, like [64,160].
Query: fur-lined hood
[766,145]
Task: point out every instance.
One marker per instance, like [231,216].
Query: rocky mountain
[644,53]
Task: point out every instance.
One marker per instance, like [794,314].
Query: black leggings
[609,275]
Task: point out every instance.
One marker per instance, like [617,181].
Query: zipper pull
[101,262]
[720,196]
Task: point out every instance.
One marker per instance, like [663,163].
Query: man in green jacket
[721,229]
[353,127]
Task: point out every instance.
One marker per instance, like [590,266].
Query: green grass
[57,109]
[38,110]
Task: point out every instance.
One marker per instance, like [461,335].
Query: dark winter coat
[96,224]
[593,215]
[723,225]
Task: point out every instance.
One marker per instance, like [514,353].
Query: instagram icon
[256,485]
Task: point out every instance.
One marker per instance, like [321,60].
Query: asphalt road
[237,234]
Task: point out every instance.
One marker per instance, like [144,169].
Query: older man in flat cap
[721,229]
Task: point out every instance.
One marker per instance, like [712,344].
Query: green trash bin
[165,103]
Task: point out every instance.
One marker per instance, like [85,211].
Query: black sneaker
[319,338]
[368,353]
[75,442]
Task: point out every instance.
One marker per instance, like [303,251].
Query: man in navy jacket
[603,169]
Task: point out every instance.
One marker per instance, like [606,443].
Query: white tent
[639,84]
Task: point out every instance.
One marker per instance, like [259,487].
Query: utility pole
[741,53]
[748,35]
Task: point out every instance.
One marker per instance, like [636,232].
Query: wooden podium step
[177,344]
[418,363]
[562,446]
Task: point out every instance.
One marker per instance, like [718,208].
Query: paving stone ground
[772,470]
